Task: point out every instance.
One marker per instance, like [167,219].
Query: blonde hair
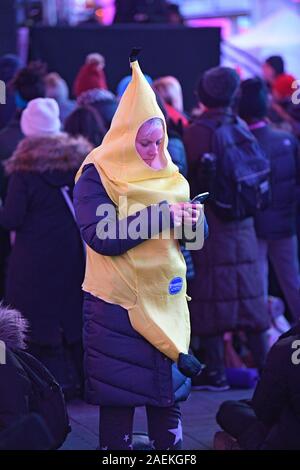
[56,87]
[169,89]
[152,123]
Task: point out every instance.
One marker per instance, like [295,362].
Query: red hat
[90,76]
[283,85]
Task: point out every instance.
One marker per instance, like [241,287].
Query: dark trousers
[283,256]
[238,419]
[65,362]
[116,426]
[214,351]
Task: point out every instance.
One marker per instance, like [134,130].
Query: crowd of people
[122,339]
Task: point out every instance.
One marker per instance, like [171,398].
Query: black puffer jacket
[279,219]
[46,265]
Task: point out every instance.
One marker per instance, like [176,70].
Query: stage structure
[166,50]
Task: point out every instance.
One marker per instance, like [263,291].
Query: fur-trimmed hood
[13,328]
[45,154]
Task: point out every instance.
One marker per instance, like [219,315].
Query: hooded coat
[15,387]
[23,425]
[46,265]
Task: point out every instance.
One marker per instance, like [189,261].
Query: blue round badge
[175,285]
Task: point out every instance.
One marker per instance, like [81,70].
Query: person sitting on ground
[20,429]
[271,419]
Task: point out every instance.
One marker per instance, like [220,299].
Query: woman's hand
[185,213]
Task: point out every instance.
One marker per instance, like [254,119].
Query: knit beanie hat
[41,118]
[253,99]
[283,86]
[90,76]
[217,86]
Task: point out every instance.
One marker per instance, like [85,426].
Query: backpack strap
[208,123]
[65,192]
[22,357]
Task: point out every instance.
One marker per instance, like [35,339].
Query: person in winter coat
[27,84]
[276,226]
[271,419]
[136,320]
[46,265]
[227,292]
[20,429]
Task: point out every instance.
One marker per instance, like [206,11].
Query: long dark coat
[227,292]
[46,265]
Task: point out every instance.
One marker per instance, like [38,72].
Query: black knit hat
[253,99]
[277,64]
[218,86]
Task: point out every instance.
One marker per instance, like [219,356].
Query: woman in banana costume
[130,204]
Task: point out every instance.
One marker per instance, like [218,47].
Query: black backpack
[47,398]
[240,173]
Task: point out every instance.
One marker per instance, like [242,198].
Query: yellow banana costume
[148,280]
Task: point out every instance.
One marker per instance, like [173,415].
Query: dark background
[8,27]
[166,50]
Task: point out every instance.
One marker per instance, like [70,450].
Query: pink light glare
[108,9]
[223,23]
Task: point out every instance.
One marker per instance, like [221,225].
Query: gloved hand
[189,365]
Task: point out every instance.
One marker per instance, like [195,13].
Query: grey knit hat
[218,86]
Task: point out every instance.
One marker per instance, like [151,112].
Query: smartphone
[200,198]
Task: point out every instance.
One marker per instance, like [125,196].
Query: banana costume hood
[148,280]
